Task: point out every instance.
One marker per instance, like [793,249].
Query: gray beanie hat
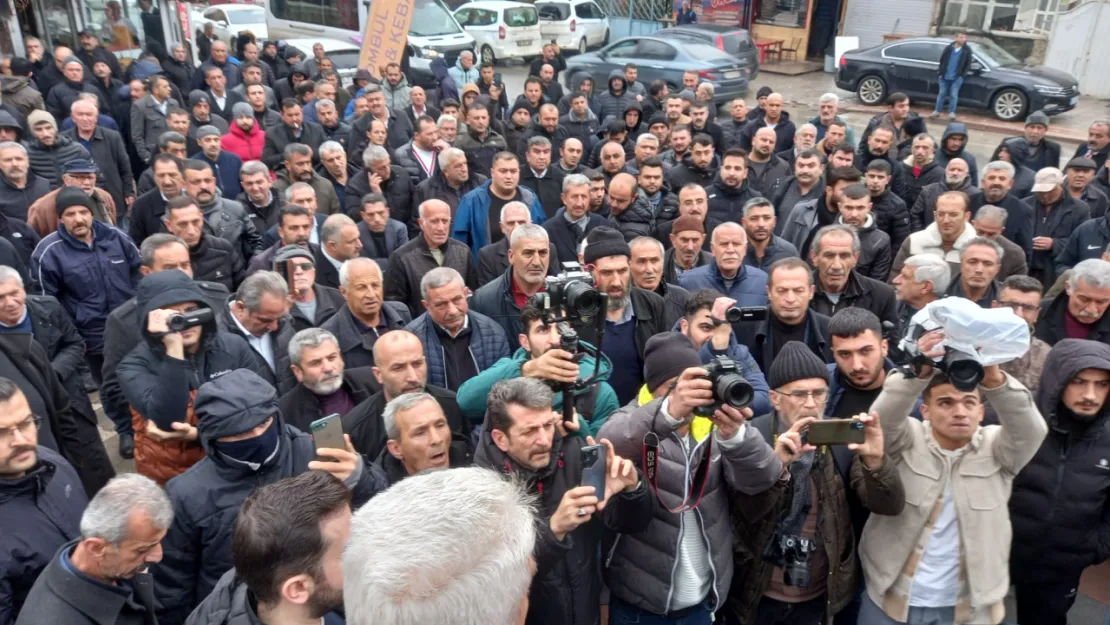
[1037,117]
[242,109]
[795,362]
[208,131]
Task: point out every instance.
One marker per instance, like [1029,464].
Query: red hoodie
[246,146]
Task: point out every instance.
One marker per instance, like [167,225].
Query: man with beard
[570,157]
[806,184]
[998,183]
[679,142]
[923,279]
[764,248]
[808,216]
[295,225]
[225,217]
[700,123]
[225,164]
[699,168]
[580,122]
[646,265]
[529,257]
[418,157]
[765,170]
[955,179]
[306,584]
[686,237]
[297,166]
[945,237]
[1097,147]
[293,129]
[835,135]
[120,534]
[953,144]
[855,210]
[856,379]
[628,208]
[1059,497]
[1056,215]
[878,149]
[324,385]
[367,315]
[568,228]
[920,168]
[663,202]
[838,284]
[47,151]
[805,138]
[480,143]
[77,173]
[458,343]
[979,266]
[246,136]
[1080,311]
[891,214]
[1080,174]
[730,191]
[539,175]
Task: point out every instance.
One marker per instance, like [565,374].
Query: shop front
[806,27]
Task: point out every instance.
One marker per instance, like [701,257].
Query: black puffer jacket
[47,160]
[206,498]
[609,104]
[732,131]
[727,203]
[215,259]
[567,587]
[1058,503]
[405,158]
[686,172]
[397,191]
[875,254]
[892,217]
[636,221]
[930,173]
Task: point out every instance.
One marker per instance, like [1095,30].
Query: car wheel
[871,90]
[487,55]
[1009,104]
[582,46]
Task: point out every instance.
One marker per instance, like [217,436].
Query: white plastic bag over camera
[991,335]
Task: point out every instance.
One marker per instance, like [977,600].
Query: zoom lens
[583,299]
[734,390]
[963,371]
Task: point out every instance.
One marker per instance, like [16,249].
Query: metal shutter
[871,19]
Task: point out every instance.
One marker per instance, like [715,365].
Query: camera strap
[701,474]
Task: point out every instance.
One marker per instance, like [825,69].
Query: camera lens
[964,371]
[176,323]
[733,315]
[735,391]
[583,300]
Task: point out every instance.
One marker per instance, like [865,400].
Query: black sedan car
[998,82]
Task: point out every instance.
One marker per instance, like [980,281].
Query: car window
[623,49]
[477,17]
[553,11]
[737,42]
[582,12]
[915,51]
[429,18]
[704,51]
[655,50]
[216,15]
[247,16]
[345,59]
[518,17]
[595,11]
[463,17]
[992,55]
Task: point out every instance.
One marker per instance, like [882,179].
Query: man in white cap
[1056,214]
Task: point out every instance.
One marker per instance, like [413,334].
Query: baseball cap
[1047,179]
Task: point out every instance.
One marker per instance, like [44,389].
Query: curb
[976,122]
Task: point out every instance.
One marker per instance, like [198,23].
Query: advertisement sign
[722,12]
[387,27]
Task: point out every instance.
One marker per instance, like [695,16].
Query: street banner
[387,27]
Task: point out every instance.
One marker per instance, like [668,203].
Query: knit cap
[208,131]
[72,196]
[605,241]
[666,356]
[242,109]
[196,95]
[40,116]
[795,362]
[1037,117]
[687,223]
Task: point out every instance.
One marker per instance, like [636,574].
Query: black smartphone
[497,78]
[327,433]
[835,432]
[594,459]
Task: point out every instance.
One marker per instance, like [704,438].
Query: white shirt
[334,263]
[936,584]
[220,102]
[264,344]
[426,158]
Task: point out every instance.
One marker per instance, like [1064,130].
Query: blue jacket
[487,345]
[471,219]
[749,289]
[226,167]
[89,281]
[39,512]
[462,76]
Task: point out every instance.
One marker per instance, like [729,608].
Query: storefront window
[116,24]
[1001,15]
[785,13]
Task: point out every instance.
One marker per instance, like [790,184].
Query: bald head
[612,157]
[399,363]
[772,107]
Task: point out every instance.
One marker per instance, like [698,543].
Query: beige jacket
[981,479]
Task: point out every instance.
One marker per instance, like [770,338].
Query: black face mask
[252,450]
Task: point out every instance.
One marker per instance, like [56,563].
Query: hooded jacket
[447,88]
[284,87]
[574,84]
[612,103]
[943,155]
[397,96]
[784,132]
[584,129]
[471,223]
[20,92]
[635,221]
[1019,154]
[932,172]
[463,77]
[206,498]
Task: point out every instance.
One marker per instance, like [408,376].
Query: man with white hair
[448,127]
[447,518]
[990,223]
[121,534]
[327,115]
[923,279]
[324,385]
[726,272]
[452,180]
[828,113]
[458,342]
[955,179]
[367,315]
[336,169]
[19,186]
[529,256]
[380,176]
[432,248]
[493,259]
[1080,311]
[107,148]
[805,137]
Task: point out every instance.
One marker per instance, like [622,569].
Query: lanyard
[429,167]
[651,468]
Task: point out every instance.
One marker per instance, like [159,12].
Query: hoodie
[20,92]
[944,155]
[574,85]
[612,103]
[462,76]
[397,97]
[641,126]
[1019,154]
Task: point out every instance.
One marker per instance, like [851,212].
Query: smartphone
[497,78]
[593,468]
[328,432]
[835,432]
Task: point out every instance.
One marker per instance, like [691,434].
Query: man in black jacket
[1040,152]
[806,184]
[538,174]
[380,234]
[493,259]
[1056,214]
[367,316]
[878,148]
[433,248]
[260,315]
[920,168]
[568,585]
[213,258]
[875,253]
[340,241]
[891,214]
[293,129]
[379,175]
[998,183]
[647,273]
[398,129]
[1085,298]
[730,191]
[774,118]
[313,303]
[324,385]
[790,316]
[1097,147]
[453,179]
[900,120]
[765,170]
[1059,498]
[836,254]
[529,258]
[569,227]
[764,248]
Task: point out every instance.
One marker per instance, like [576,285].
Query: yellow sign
[387,27]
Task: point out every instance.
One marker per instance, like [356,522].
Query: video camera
[729,387]
[192,319]
[963,370]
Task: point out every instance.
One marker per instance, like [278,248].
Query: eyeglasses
[25,427]
[819,396]
[304,266]
[1020,306]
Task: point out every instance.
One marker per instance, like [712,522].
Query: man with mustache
[431,249]
[1080,311]
[764,248]
[726,272]
[367,315]
[1056,215]
[1058,499]
[997,189]
[955,179]
[835,255]
[458,342]
[313,303]
[980,262]
[324,385]
[647,274]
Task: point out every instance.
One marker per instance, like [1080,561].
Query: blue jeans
[871,614]
[621,613]
[950,88]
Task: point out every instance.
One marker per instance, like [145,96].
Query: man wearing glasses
[1022,294]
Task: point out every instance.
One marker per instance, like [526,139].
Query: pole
[631,11]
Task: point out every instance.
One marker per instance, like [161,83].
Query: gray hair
[1093,271]
[253,168]
[296,186]
[575,180]
[438,278]
[309,337]
[447,518]
[81,101]
[647,241]
[756,202]
[408,401]
[333,225]
[931,268]
[999,166]
[345,268]
[328,147]
[8,145]
[990,212]
[805,126]
[325,103]
[295,149]
[155,242]
[443,119]
[539,141]
[829,97]
[516,204]
[8,273]
[526,392]
[374,154]
[527,231]
[256,285]
[835,228]
[984,242]
[450,154]
[109,513]
[647,137]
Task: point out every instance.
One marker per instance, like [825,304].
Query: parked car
[502,29]
[998,82]
[229,20]
[665,59]
[574,25]
[729,39]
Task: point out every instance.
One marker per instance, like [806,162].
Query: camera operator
[160,377]
[923,279]
[796,564]
[789,316]
[679,568]
[540,356]
[523,437]
[918,566]
[703,322]
[1059,500]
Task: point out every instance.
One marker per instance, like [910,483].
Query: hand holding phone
[327,433]
[594,469]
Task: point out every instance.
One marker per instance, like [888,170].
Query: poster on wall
[721,12]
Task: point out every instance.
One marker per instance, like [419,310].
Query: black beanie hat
[795,362]
[605,241]
[73,196]
[657,118]
[666,356]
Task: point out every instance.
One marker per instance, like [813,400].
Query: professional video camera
[729,387]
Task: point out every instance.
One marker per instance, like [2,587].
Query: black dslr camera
[729,387]
[192,319]
[962,369]
[573,292]
[793,554]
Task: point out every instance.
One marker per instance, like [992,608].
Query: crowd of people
[235,254]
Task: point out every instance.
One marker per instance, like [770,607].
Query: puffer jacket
[640,568]
[567,588]
[732,131]
[20,92]
[585,130]
[932,172]
[636,220]
[397,97]
[921,211]
[65,93]
[727,203]
[405,158]
[875,255]
[47,160]
[944,155]
[686,173]
[1087,241]
[206,498]
[464,77]
[784,131]
[749,288]
[488,344]
[230,603]
[892,217]
[214,259]
[609,104]
[1058,501]
[246,145]
[227,219]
